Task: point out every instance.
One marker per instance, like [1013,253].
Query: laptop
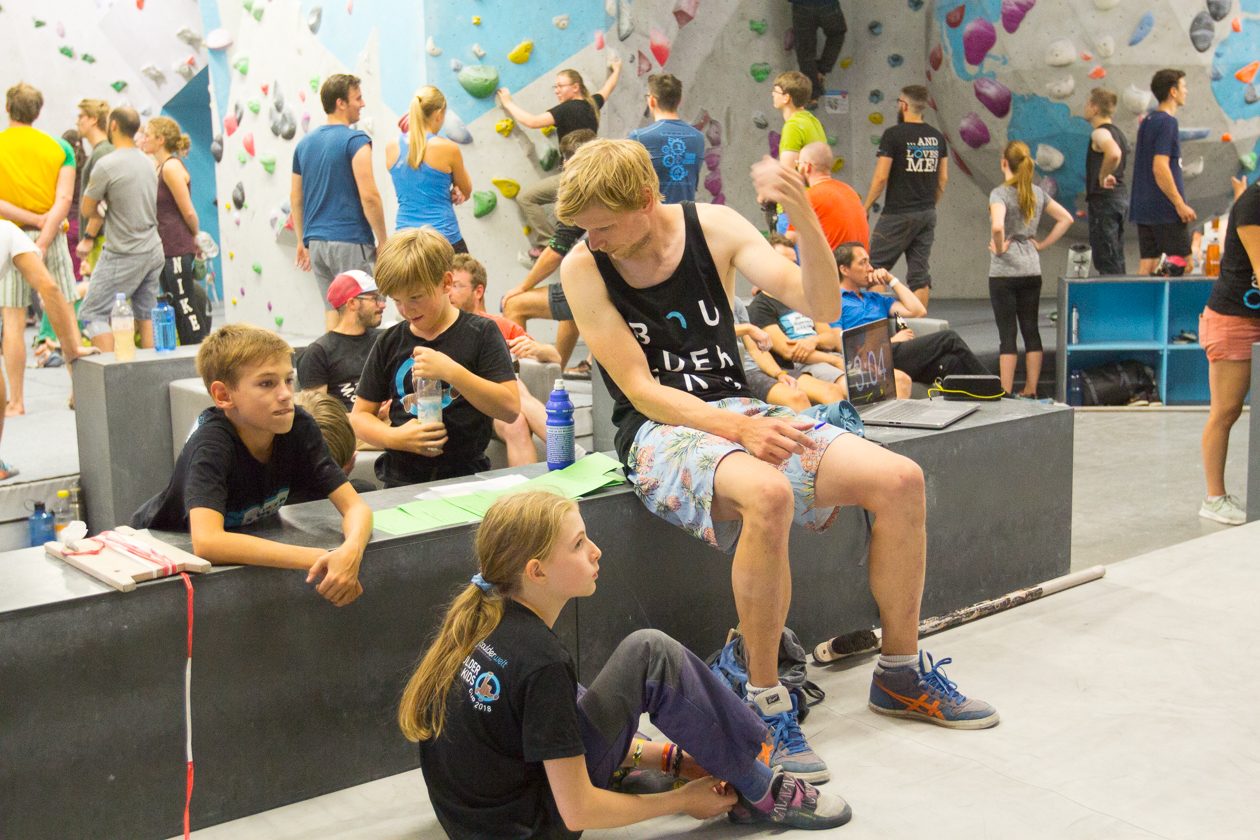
[868,370]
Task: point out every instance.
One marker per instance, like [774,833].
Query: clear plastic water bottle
[428,399]
[40,526]
[559,428]
[61,513]
[122,323]
[1076,389]
[1074,329]
[164,324]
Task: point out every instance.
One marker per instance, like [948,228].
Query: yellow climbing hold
[527,230]
[520,53]
[876,118]
[846,63]
[505,126]
[476,20]
[507,186]
[837,164]
[548,130]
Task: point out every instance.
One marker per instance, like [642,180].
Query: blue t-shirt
[856,310]
[331,210]
[677,151]
[1157,135]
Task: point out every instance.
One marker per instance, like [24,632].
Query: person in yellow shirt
[36,188]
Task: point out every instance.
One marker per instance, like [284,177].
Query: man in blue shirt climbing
[675,147]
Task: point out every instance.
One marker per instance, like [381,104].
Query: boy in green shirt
[790,94]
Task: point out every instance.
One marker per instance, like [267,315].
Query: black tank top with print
[684,326]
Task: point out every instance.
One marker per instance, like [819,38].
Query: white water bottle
[122,323]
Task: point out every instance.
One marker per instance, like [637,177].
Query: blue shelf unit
[1136,318]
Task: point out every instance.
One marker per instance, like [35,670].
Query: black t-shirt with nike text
[512,706]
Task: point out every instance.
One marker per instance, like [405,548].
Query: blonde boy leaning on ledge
[251,453]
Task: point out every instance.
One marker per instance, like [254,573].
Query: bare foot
[14,409]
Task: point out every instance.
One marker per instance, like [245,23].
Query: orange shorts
[1228,338]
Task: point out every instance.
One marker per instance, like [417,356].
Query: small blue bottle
[559,428]
[40,525]
[1076,389]
[164,324]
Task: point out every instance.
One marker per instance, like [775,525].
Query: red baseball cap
[349,284]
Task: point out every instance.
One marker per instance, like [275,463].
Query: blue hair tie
[481,583]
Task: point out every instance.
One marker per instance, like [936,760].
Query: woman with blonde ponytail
[576,108]
[509,750]
[177,226]
[1015,210]
[428,171]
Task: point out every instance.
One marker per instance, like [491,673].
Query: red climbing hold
[1098,72]
[935,57]
[248,143]
[265,88]
[140,5]
[659,46]
[230,124]
[1236,25]
[1248,73]
[955,16]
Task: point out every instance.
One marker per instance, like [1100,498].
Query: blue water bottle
[40,525]
[163,324]
[559,428]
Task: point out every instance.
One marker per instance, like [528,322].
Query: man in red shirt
[836,204]
[468,292]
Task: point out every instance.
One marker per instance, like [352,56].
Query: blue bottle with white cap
[559,428]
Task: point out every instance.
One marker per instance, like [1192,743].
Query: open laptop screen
[868,366]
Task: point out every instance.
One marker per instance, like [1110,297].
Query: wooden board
[123,571]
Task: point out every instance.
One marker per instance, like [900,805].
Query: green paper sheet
[396,521]
[437,513]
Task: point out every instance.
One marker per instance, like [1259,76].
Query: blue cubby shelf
[1136,318]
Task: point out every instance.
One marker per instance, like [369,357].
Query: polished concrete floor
[1124,706]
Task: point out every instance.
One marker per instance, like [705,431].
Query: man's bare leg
[532,304]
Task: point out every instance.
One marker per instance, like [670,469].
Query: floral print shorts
[672,469]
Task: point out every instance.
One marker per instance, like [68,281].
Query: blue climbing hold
[875,27]
[1188,134]
[895,60]
[916,5]
[1144,27]
[876,97]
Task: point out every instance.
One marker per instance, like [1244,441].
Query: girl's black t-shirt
[1235,291]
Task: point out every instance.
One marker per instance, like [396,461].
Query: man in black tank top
[1105,195]
[650,292]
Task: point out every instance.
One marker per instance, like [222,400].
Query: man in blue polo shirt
[924,358]
[676,148]
[337,212]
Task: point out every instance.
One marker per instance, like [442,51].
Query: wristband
[894,283]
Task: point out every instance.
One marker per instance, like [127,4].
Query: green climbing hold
[254,106]
[484,202]
[279,321]
[242,65]
[241,157]
[39,23]
[118,86]
[88,57]
[268,163]
[1249,161]
[758,26]
[249,5]
[257,268]
[258,12]
[315,83]
[832,139]
[550,159]
[760,71]
[480,80]
[66,51]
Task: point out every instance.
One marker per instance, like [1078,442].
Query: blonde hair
[233,347]
[96,110]
[427,102]
[575,78]
[167,130]
[415,259]
[1104,100]
[334,424]
[517,528]
[616,174]
[1019,159]
[472,265]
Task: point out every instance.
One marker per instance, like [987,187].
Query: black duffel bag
[1118,383]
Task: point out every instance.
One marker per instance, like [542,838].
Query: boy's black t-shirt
[513,705]
[476,345]
[574,114]
[765,311]
[917,150]
[215,470]
[1235,291]
[336,360]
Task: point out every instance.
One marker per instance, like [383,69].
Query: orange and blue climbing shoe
[925,693]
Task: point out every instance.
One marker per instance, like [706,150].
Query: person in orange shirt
[837,205]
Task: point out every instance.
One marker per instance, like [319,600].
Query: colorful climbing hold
[1013,12]
[599,40]
[973,131]
[119,86]
[258,12]
[832,140]
[455,130]
[644,64]
[484,203]
[234,301]
[247,142]
[560,21]
[1248,161]
[1227,137]
[505,126]
[238,195]
[772,140]
[241,157]
[659,44]
[230,124]
[1219,9]
[978,38]
[268,163]
[476,21]
[66,51]
[876,118]
[760,71]
[713,133]
[480,80]
[875,28]
[935,57]
[314,83]
[548,130]
[896,60]
[1143,28]
[507,186]
[241,65]
[915,6]
[257,268]
[1236,25]
[39,24]
[477,51]
[1202,31]
[279,322]
[550,159]
[1098,72]
[248,5]
[521,52]
[837,164]
[1247,74]
[88,58]
[758,25]
[685,11]
[875,97]
[431,47]
[993,95]
[759,120]
[254,106]
[846,62]
[955,16]
[1251,95]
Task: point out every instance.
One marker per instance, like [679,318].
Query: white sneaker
[1226,509]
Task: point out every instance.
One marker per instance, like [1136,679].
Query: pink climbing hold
[712,160]
[973,131]
[645,64]
[349,7]
[713,183]
[685,12]
[773,139]
[659,46]
[404,122]
[599,39]
[301,95]
[978,38]
[230,124]
[936,57]
[247,142]
[993,95]
[713,133]
[1013,12]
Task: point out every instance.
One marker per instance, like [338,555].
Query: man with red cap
[333,362]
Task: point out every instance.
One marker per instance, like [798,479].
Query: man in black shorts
[651,291]
[1157,204]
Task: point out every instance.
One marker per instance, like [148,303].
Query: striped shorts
[15,292]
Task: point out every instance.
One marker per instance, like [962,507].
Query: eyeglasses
[374,297]
[903,102]
[777,89]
